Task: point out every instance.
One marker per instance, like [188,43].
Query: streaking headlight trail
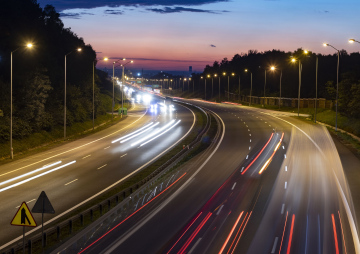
[137,134]
[37,176]
[161,133]
[29,173]
[154,133]
[132,133]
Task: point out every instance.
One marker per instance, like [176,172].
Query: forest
[39,72]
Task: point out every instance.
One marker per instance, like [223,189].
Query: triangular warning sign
[43,204]
[23,217]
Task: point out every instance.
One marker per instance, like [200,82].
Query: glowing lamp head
[326,44]
[305,51]
[272,68]
[224,73]
[131,61]
[293,60]
[351,40]
[208,76]
[215,75]
[246,70]
[29,45]
[79,49]
[232,74]
[105,59]
[200,77]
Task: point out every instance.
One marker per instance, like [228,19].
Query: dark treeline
[38,72]
[257,62]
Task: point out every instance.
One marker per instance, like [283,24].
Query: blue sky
[171,35]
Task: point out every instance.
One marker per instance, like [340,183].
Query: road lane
[98,165]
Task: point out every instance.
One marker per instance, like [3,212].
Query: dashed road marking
[102,166]
[71,182]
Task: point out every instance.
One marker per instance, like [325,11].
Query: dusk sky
[172,35]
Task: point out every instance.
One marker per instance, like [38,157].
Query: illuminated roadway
[81,169]
[300,203]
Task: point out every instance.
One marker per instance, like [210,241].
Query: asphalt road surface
[78,171]
[273,184]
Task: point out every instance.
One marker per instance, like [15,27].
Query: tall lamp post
[122,87]
[273,68]
[113,97]
[337,81]
[212,85]
[78,49]
[232,74]
[93,102]
[246,70]
[29,45]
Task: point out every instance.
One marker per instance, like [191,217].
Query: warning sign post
[24,218]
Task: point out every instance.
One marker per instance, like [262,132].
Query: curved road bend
[88,166]
[155,229]
[300,203]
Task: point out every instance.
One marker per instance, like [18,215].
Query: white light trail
[116,140]
[137,134]
[37,176]
[29,173]
[154,133]
[161,133]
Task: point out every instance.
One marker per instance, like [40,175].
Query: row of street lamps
[29,46]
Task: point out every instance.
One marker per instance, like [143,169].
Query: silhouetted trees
[38,73]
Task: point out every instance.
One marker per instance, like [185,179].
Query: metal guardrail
[122,207]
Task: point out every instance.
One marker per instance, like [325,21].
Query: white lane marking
[37,176]
[193,248]
[102,166]
[248,129]
[86,156]
[265,122]
[285,185]
[282,208]
[250,135]
[123,155]
[233,186]
[128,234]
[247,156]
[274,246]
[285,168]
[249,147]
[269,125]
[242,169]
[71,182]
[250,140]
[106,147]
[247,126]
[221,207]
[122,179]
[283,147]
[285,156]
[344,200]
[71,151]
[27,202]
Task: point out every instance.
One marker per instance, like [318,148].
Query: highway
[76,172]
[272,184]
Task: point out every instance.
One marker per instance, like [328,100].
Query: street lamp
[273,68]
[29,45]
[113,98]
[212,86]
[93,102]
[246,70]
[337,81]
[122,88]
[78,49]
[353,40]
[300,71]
[232,74]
